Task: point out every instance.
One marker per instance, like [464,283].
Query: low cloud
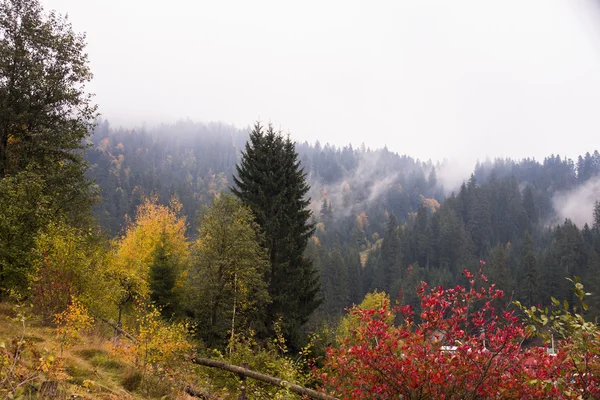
[451,173]
[578,204]
[364,184]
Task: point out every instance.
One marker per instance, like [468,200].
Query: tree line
[197,246]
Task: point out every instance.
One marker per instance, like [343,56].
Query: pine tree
[388,269]
[335,284]
[355,276]
[597,215]
[530,206]
[163,275]
[529,290]
[499,273]
[480,222]
[271,182]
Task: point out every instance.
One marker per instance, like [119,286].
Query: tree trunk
[301,390]
[242,371]
[234,309]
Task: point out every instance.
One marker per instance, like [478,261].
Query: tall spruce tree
[388,269]
[162,279]
[272,184]
[499,272]
[530,277]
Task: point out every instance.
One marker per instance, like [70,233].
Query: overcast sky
[432,79]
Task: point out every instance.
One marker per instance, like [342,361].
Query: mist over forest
[364,199]
[235,260]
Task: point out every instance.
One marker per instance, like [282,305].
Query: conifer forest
[206,260]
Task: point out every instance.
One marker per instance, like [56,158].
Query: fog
[431,79]
[451,173]
[578,204]
[368,174]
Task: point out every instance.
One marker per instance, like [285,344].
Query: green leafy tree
[227,292]
[69,263]
[44,109]
[272,184]
[45,115]
[25,210]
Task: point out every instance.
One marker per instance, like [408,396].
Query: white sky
[432,79]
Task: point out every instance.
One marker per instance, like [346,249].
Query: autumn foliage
[461,346]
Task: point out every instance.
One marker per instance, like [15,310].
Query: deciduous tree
[227,291]
[135,253]
[45,115]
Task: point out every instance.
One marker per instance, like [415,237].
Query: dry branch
[301,390]
[118,329]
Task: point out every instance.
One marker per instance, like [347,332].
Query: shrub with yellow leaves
[161,349]
[71,323]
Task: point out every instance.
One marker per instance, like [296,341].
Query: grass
[88,370]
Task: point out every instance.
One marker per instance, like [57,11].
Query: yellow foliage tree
[71,323]
[160,349]
[155,226]
[372,301]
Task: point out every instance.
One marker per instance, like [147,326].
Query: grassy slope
[88,370]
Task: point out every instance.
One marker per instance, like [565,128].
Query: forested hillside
[205,261]
[384,221]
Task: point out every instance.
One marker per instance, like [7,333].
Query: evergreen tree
[592,283]
[163,275]
[388,267]
[335,284]
[499,273]
[529,285]
[326,212]
[480,222]
[432,179]
[272,184]
[530,206]
[597,215]
[422,238]
[355,276]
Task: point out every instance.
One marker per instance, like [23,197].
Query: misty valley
[383,221]
[201,260]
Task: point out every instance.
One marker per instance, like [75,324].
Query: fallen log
[118,329]
[207,362]
[301,390]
